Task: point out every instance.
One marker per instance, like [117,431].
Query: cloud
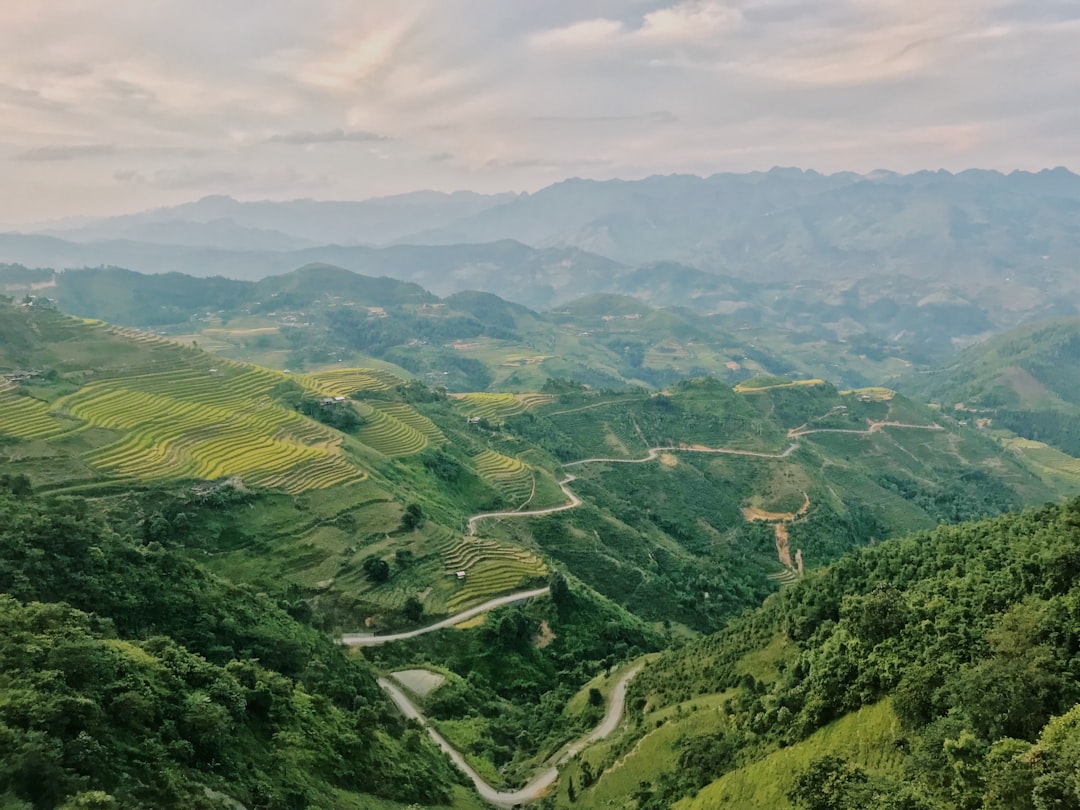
[691,21]
[199,96]
[583,34]
[657,117]
[47,154]
[218,179]
[327,136]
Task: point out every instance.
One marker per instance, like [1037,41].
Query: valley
[667,405]
[520,546]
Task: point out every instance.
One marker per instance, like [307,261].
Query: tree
[560,588]
[412,518]
[830,783]
[413,609]
[376,568]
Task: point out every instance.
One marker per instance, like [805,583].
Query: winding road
[548,773]
[573,501]
[371,640]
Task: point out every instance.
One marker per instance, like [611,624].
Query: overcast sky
[108,106]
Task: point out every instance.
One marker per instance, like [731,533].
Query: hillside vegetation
[131,677]
[1020,384]
[938,670]
[653,517]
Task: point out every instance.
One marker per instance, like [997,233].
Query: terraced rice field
[346,381]
[389,435]
[490,568]
[1047,457]
[26,418]
[417,421]
[191,422]
[492,407]
[512,478]
[184,414]
[535,400]
[188,415]
[785,577]
[762,385]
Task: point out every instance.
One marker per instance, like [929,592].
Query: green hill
[668,513]
[932,671]
[131,677]
[1020,384]
[321,315]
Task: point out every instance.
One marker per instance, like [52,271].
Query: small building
[460,575]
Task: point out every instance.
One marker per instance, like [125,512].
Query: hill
[365,502]
[791,224]
[320,314]
[130,677]
[98,408]
[1020,386]
[896,266]
[931,671]
[222,222]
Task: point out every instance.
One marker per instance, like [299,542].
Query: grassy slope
[866,738]
[826,669]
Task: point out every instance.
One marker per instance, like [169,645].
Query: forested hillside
[200,525]
[935,671]
[129,671]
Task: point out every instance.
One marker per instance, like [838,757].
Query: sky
[112,106]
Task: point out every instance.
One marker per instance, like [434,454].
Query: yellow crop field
[26,418]
[508,475]
[346,381]
[179,413]
[489,406]
[206,424]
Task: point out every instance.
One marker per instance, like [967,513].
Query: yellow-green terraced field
[408,415]
[1049,458]
[492,577]
[508,475]
[177,437]
[489,406]
[535,400]
[26,418]
[342,382]
[389,435]
[158,410]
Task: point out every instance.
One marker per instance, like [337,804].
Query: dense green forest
[131,678]
[969,632]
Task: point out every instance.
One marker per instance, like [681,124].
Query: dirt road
[548,774]
[371,640]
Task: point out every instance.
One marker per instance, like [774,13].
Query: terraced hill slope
[1021,387]
[121,405]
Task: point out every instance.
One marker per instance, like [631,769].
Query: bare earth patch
[783,549]
[668,460]
[544,637]
[421,682]
[780,521]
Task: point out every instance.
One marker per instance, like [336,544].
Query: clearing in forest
[780,522]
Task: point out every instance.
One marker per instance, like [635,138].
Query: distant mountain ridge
[223,222]
[788,223]
[909,266]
